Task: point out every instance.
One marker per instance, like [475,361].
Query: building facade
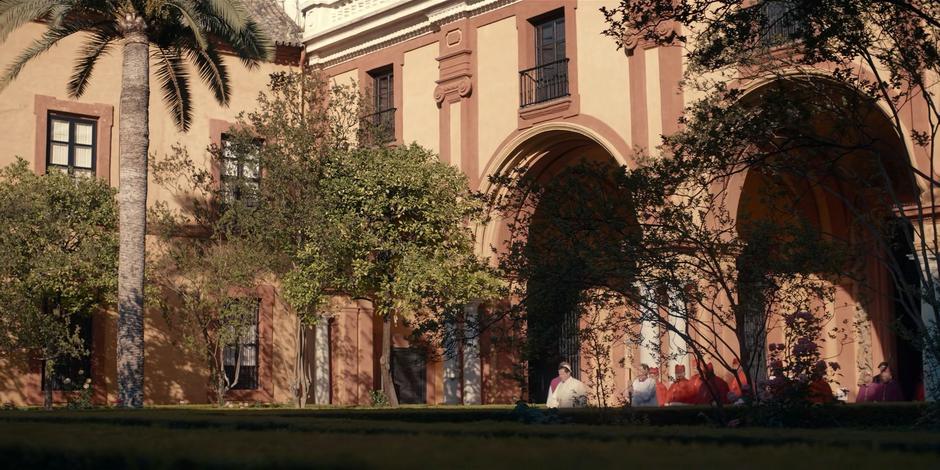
[489,85]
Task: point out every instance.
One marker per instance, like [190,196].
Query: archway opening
[845,179]
[578,215]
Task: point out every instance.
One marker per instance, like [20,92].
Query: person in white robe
[643,388]
[570,392]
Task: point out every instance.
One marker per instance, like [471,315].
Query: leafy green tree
[168,33]
[59,242]
[394,228]
[298,123]
[837,82]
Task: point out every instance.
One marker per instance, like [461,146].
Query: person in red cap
[661,389]
[569,393]
[682,391]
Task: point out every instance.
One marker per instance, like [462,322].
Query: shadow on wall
[16,382]
[350,347]
[173,373]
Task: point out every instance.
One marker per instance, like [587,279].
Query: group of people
[648,389]
[883,387]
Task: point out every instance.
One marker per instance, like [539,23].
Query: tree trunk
[388,386]
[132,200]
[48,370]
[300,372]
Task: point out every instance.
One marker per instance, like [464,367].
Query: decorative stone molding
[540,112]
[338,31]
[461,86]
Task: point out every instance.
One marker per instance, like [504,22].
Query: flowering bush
[797,372]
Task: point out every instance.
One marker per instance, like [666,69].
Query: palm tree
[165,33]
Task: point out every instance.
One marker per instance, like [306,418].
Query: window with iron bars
[779,23]
[243,355]
[70,372]
[379,126]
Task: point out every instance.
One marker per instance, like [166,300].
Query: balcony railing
[378,127]
[782,25]
[543,83]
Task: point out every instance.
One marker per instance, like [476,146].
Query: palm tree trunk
[132,199]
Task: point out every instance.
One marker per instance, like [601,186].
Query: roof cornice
[369,25]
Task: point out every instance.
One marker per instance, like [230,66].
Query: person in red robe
[682,391]
[820,391]
[661,390]
[712,384]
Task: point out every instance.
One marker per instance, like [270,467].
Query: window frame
[71,144]
[254,376]
[239,161]
[66,367]
[556,19]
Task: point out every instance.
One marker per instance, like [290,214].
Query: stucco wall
[419,111]
[172,373]
[497,85]
[602,71]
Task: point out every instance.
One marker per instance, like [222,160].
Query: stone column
[649,334]
[321,370]
[472,367]
[929,316]
[677,347]
[451,370]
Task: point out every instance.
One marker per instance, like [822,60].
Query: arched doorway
[571,179]
[846,180]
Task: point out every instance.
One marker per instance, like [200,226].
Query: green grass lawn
[429,438]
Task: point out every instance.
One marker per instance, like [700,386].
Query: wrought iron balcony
[782,25]
[543,83]
[378,127]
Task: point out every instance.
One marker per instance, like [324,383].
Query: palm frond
[174,80]
[213,72]
[50,38]
[16,13]
[191,17]
[96,46]
[233,12]
[251,44]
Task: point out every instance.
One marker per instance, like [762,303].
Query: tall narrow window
[240,173]
[71,144]
[548,80]
[550,40]
[71,372]
[381,123]
[241,359]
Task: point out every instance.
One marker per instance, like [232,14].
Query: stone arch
[546,153]
[870,303]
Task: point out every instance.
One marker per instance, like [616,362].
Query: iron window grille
[243,356]
[70,372]
[70,144]
[379,126]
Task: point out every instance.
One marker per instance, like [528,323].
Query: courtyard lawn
[429,438]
